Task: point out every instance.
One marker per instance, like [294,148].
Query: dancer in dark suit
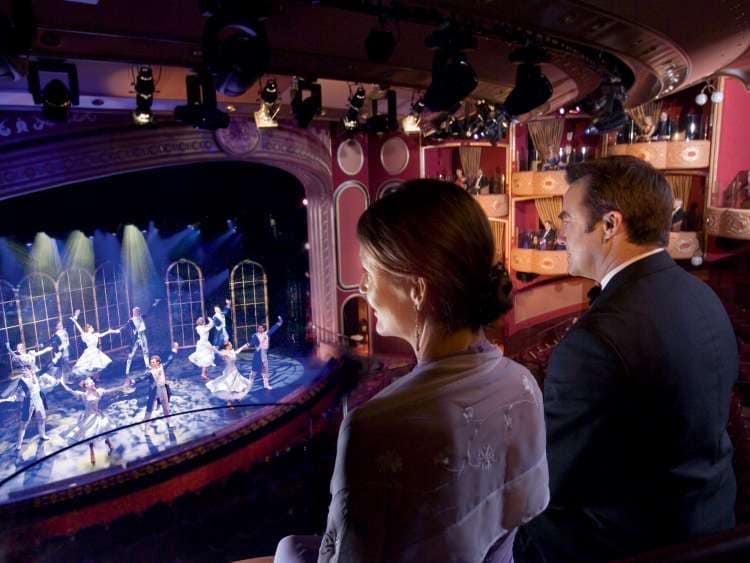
[636,396]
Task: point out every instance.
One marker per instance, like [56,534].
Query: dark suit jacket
[636,403]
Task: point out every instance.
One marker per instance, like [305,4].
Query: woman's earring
[417,328]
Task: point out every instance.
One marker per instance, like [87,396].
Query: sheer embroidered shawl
[442,465]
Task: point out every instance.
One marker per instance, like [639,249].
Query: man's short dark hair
[634,188]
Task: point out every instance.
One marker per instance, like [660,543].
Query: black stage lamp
[532,87]
[60,90]
[269,108]
[380,123]
[453,78]
[144,96]
[356,101]
[380,42]
[201,110]
[235,44]
[306,108]
[606,105]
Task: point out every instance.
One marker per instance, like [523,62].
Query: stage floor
[131,445]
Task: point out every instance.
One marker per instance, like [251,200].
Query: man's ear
[418,292]
[613,224]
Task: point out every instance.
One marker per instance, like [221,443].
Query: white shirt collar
[608,277]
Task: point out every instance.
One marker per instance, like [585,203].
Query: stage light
[144,96]
[380,42]
[305,109]
[356,101]
[235,43]
[453,78]
[269,108]
[410,123]
[79,251]
[606,106]
[201,110]
[380,123]
[60,91]
[532,88]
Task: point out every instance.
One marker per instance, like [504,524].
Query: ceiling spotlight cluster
[487,122]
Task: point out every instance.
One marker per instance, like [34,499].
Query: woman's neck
[436,343]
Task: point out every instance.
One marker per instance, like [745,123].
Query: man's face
[136,311]
[21,348]
[584,249]
[154,363]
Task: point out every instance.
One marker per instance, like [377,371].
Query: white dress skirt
[230,385]
[93,359]
[203,357]
[91,422]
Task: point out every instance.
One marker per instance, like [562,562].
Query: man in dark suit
[636,395]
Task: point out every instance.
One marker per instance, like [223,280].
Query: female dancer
[93,360]
[92,420]
[203,357]
[34,402]
[230,385]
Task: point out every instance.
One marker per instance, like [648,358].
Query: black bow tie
[593,293]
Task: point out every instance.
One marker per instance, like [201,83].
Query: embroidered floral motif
[486,457]
[390,462]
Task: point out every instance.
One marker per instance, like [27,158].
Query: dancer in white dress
[230,385]
[92,420]
[204,354]
[29,387]
[93,360]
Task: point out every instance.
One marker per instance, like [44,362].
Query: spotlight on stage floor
[45,256]
[79,252]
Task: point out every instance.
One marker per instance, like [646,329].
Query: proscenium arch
[305,154]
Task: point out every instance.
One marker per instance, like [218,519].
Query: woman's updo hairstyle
[437,231]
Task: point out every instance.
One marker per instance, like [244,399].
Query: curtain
[547,136]
[548,209]
[498,234]
[681,185]
[470,158]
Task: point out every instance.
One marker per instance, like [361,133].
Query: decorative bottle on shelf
[692,126]
[664,128]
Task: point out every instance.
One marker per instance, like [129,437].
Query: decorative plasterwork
[728,222]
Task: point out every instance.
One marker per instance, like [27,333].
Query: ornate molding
[728,222]
[547,262]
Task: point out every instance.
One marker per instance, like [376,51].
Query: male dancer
[260,359]
[158,387]
[221,336]
[136,326]
[60,343]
